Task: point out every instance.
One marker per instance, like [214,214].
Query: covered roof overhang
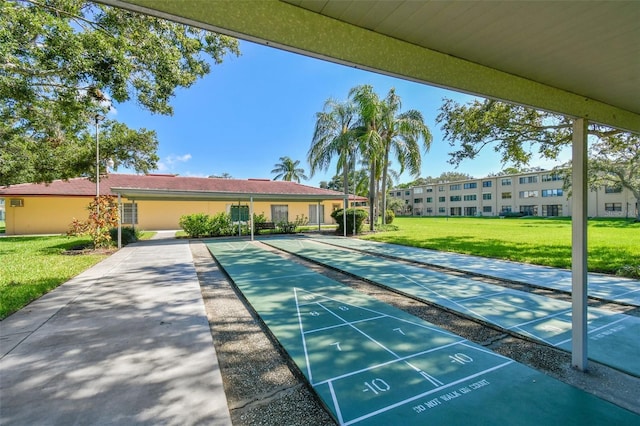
[139,194]
[580,59]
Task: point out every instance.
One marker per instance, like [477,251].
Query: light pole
[98,117]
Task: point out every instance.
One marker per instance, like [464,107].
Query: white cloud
[173,159]
[166,164]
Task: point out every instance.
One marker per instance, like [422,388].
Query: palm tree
[287,169]
[334,135]
[401,133]
[370,110]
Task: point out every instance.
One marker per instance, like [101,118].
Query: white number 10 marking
[461,358]
[376,386]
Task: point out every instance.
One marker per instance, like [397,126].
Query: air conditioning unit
[16,202]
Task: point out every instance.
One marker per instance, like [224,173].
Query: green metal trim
[292,28]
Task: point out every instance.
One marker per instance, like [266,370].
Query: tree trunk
[372,194]
[383,194]
[345,175]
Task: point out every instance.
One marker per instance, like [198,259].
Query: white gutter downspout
[579,284]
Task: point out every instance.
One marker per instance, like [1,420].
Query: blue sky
[260,106]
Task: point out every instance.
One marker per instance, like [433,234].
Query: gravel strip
[264,388]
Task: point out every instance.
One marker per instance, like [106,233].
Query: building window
[417,201]
[239,213]
[506,195]
[429,189]
[613,207]
[552,210]
[486,184]
[615,189]
[442,199]
[417,190]
[407,192]
[429,210]
[551,178]
[528,194]
[486,209]
[456,211]
[399,194]
[506,209]
[130,213]
[470,185]
[470,197]
[279,213]
[529,210]
[456,187]
[486,196]
[429,199]
[528,179]
[442,210]
[470,211]
[506,182]
[313,210]
[551,193]
[455,198]
[441,188]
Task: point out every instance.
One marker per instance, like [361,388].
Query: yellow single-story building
[157,201]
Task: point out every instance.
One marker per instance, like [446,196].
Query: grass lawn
[612,243]
[33,266]
[2,226]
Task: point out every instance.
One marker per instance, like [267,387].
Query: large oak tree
[62,62]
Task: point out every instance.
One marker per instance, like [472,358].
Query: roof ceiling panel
[568,45]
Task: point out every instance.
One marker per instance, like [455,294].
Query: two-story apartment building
[537,193]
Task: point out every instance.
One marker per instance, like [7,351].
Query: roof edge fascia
[302,31]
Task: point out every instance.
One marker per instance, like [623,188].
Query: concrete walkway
[125,342]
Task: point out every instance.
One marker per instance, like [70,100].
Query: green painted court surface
[542,318]
[372,364]
[605,287]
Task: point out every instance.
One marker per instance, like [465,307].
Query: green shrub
[220,225]
[360,216]
[195,225]
[388,218]
[128,235]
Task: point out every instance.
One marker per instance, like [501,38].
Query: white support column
[579,283]
[344,214]
[251,215]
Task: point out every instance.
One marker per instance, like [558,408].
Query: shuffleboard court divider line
[596,329]
[315,330]
[557,314]
[281,277]
[447,298]
[401,359]
[484,296]
[426,327]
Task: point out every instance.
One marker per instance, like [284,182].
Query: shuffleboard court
[604,287]
[372,364]
[542,318]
